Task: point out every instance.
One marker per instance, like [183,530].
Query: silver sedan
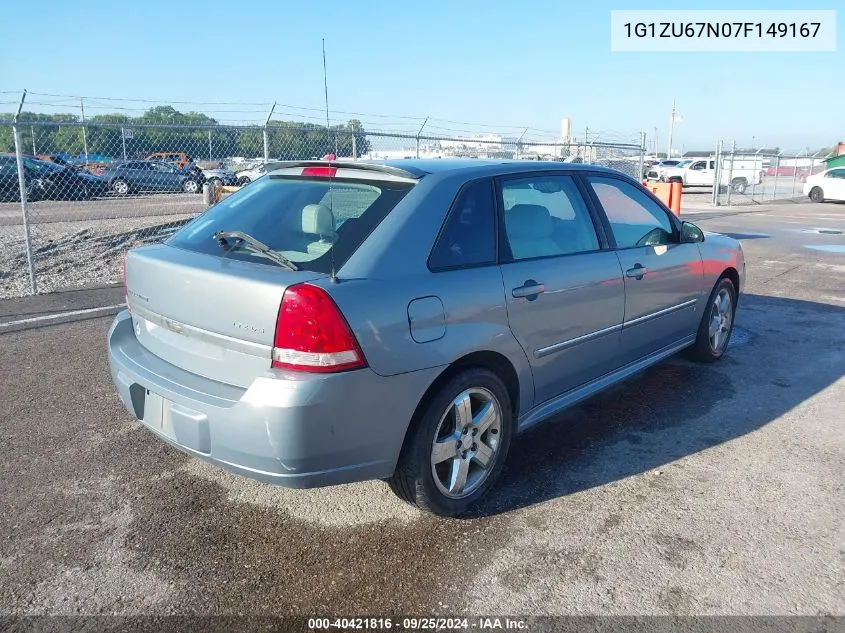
[341,321]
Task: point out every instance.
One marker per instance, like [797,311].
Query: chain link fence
[75,196]
[761,176]
[730,176]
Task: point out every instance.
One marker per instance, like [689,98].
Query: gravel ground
[76,254]
[687,490]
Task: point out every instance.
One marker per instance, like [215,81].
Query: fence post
[33,285]
[754,182]
[640,174]
[209,144]
[519,144]
[266,134]
[731,172]
[717,176]
[812,166]
[84,135]
[794,177]
[418,136]
[123,140]
[777,173]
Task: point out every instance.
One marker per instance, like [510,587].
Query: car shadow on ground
[783,352]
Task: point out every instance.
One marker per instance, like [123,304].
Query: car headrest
[528,221]
[317,219]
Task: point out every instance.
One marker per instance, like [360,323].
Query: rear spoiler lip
[411,173]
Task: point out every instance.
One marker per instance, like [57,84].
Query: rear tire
[120,187]
[739,185]
[816,194]
[190,186]
[457,449]
[716,326]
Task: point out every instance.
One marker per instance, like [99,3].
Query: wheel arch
[732,274]
[489,360]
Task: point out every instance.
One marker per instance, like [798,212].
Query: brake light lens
[319,172]
[312,335]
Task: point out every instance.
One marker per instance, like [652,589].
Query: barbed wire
[221,112]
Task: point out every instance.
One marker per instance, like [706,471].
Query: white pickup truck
[701,172]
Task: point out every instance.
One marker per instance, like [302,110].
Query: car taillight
[319,172]
[312,335]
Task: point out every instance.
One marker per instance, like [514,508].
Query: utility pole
[654,142]
[671,130]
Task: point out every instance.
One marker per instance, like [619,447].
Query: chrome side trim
[551,349]
[556,405]
[213,338]
[659,313]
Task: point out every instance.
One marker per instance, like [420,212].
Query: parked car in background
[701,172]
[180,159]
[47,181]
[656,170]
[249,175]
[828,185]
[149,175]
[220,175]
[336,321]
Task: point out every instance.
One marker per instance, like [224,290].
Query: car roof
[487,166]
[469,167]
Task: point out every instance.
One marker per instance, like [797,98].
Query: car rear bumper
[294,430]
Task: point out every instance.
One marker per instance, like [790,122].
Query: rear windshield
[304,220]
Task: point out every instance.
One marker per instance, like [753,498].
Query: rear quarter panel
[390,270]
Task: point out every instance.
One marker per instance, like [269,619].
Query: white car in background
[828,185]
[246,176]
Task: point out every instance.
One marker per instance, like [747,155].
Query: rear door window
[303,219]
[545,216]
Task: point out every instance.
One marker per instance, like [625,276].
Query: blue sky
[522,64]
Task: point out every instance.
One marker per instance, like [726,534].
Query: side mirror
[691,234]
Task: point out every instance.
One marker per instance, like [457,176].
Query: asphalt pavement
[689,489]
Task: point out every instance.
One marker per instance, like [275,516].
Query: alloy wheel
[466,443]
[721,320]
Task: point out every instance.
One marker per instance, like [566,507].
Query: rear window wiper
[230,240]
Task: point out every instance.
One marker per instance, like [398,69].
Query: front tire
[716,327]
[816,194]
[190,186]
[457,449]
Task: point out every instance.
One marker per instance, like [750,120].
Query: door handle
[529,290]
[637,272]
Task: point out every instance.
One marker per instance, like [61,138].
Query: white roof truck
[701,172]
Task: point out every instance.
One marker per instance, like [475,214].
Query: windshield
[683,163]
[301,219]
